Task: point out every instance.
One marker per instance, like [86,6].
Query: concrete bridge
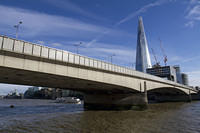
[103,83]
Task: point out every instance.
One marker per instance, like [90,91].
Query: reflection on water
[44,116]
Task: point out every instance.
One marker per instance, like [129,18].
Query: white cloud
[69,6]
[193,13]
[181,59]
[142,10]
[123,56]
[189,59]
[56,45]
[97,38]
[174,59]
[190,24]
[194,72]
[41,24]
[131,16]
[194,1]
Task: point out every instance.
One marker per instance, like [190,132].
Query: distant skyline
[109,27]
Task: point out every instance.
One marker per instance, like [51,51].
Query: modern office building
[178,74]
[172,73]
[143,60]
[167,72]
[184,79]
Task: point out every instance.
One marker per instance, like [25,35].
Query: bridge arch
[170,90]
[167,94]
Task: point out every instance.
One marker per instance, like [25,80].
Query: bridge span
[103,83]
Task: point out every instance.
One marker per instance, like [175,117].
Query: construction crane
[163,51]
[154,55]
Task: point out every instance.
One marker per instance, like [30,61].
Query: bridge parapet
[35,50]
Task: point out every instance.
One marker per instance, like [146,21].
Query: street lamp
[111,58]
[17,28]
[132,64]
[77,47]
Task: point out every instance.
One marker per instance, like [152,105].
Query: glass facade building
[143,60]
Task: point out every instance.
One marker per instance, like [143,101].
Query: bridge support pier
[115,101]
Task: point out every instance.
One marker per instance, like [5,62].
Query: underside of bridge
[96,95]
[24,77]
[167,95]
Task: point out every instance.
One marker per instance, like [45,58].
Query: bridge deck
[54,55]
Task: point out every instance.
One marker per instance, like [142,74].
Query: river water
[45,116]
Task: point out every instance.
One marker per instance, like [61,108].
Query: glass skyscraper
[143,60]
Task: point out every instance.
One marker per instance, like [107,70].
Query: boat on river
[72,100]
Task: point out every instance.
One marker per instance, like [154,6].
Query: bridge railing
[27,48]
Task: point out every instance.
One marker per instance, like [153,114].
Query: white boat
[73,100]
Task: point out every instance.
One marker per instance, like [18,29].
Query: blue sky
[109,27]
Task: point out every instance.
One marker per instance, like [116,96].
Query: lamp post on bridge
[77,47]
[111,58]
[132,65]
[17,28]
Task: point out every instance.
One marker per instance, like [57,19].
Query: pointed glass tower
[143,60]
